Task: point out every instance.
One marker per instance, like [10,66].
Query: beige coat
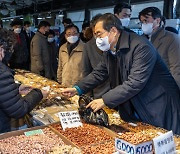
[70,66]
[40,62]
[168,46]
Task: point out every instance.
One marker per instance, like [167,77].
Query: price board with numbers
[127,148]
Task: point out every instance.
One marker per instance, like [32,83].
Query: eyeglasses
[99,34]
[73,34]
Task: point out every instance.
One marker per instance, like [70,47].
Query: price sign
[127,148]
[70,119]
[164,144]
[33,132]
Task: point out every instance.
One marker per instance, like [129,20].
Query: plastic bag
[100,117]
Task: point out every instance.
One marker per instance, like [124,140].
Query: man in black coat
[28,36]
[123,12]
[53,54]
[19,58]
[138,74]
[12,104]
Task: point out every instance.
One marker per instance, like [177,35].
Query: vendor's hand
[24,89]
[69,92]
[96,104]
[45,93]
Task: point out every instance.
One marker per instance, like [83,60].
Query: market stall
[87,138]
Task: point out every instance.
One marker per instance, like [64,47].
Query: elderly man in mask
[70,57]
[137,74]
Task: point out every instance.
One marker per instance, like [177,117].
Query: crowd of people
[137,75]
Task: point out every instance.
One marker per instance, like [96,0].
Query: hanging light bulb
[49,15]
[61,15]
[39,17]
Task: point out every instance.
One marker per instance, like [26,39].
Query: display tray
[100,147]
[21,132]
[112,135]
[147,129]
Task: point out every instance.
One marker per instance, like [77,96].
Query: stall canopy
[38,6]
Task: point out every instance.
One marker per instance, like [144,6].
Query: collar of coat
[160,33]
[124,41]
[40,34]
[79,47]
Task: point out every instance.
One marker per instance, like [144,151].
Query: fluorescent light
[61,15]
[39,18]
[48,17]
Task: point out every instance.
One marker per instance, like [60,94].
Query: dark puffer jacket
[12,104]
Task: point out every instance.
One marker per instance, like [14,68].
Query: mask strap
[108,37]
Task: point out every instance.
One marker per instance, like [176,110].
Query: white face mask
[72,39]
[50,40]
[147,28]
[28,29]
[17,30]
[125,22]
[103,43]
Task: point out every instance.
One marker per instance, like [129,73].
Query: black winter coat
[92,56]
[146,82]
[28,41]
[12,104]
[53,55]
[19,58]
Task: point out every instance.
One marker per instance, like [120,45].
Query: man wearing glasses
[70,58]
[137,73]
